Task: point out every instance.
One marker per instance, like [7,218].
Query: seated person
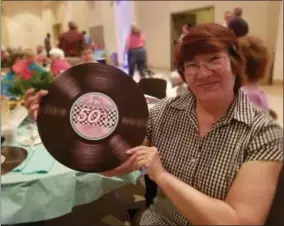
[58,62]
[214,156]
[9,78]
[257,61]
[87,54]
[41,57]
[178,83]
[31,60]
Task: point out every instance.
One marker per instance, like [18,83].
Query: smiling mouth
[208,85]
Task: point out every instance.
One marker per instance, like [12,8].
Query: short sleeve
[150,125]
[153,115]
[266,145]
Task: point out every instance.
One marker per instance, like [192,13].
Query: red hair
[257,57]
[211,38]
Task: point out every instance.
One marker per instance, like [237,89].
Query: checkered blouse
[208,164]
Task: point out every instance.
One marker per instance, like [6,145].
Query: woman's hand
[32,100]
[126,167]
[148,158]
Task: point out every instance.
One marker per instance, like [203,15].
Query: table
[39,197]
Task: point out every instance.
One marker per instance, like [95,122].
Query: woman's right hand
[32,100]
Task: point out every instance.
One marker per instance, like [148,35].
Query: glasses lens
[215,63]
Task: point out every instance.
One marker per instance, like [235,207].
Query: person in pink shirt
[257,60]
[58,62]
[135,49]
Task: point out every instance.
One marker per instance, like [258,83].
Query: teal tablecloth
[38,197]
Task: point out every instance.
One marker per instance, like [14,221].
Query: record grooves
[92,114]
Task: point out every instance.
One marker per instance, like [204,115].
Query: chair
[155,87]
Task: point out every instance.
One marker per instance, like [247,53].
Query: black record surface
[92,114]
[13,156]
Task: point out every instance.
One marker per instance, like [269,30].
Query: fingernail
[129,151]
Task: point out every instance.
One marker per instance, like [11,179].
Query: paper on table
[24,163]
[40,162]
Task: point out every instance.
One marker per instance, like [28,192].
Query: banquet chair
[155,87]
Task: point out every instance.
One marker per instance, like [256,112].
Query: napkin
[40,162]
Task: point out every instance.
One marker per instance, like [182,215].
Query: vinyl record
[12,157]
[92,114]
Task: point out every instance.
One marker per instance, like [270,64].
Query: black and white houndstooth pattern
[108,117]
[209,164]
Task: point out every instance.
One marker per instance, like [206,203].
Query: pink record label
[94,116]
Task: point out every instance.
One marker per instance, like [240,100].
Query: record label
[94,116]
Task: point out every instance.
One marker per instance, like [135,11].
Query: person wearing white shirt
[228,16]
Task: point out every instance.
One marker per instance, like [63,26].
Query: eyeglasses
[213,63]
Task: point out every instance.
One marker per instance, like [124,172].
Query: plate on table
[12,157]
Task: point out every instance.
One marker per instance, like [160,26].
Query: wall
[23,24]
[154,19]
[28,22]
[278,64]
[125,15]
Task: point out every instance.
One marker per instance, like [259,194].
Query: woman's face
[209,76]
[87,56]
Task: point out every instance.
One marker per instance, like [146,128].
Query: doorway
[193,17]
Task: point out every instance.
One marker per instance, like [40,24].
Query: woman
[257,61]
[58,62]
[214,156]
[136,52]
[9,78]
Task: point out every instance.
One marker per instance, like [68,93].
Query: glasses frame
[206,65]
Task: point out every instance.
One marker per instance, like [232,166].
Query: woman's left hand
[148,158]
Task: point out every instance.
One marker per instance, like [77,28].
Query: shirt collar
[241,109]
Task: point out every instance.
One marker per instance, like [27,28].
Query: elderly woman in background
[58,62]
[135,43]
[257,61]
[215,157]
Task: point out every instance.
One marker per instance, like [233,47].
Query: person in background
[58,61]
[71,41]
[257,60]
[9,78]
[30,58]
[87,38]
[237,24]
[41,57]
[185,29]
[47,44]
[228,16]
[135,47]
[87,54]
